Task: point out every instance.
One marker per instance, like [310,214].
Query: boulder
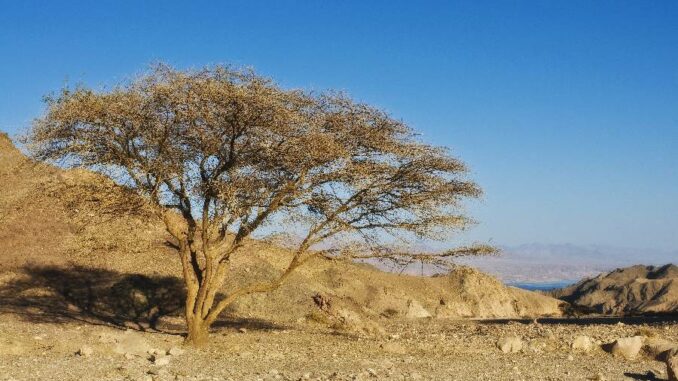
[510,344]
[583,344]
[160,360]
[627,347]
[156,352]
[85,351]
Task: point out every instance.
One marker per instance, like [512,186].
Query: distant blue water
[542,286]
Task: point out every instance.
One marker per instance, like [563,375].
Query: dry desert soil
[250,350]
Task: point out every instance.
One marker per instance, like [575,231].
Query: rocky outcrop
[480,295]
[633,290]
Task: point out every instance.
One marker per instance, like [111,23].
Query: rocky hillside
[71,237]
[632,290]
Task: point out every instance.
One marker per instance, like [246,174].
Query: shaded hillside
[632,290]
[75,220]
[55,216]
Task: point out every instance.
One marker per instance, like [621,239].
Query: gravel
[411,350]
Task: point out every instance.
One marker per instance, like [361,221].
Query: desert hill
[74,271]
[64,243]
[632,290]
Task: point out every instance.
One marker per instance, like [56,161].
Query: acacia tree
[220,152]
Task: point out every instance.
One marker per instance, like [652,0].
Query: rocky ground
[422,349]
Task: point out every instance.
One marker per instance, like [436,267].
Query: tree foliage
[223,152]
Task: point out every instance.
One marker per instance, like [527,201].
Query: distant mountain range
[553,263]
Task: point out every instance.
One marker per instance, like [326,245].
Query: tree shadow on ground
[53,294]
[649,376]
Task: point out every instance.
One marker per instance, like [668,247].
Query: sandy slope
[53,216]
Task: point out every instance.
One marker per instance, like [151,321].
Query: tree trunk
[198,332]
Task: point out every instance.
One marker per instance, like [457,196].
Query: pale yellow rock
[85,351]
[627,347]
[583,344]
[510,344]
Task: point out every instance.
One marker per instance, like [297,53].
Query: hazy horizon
[552,263]
[545,263]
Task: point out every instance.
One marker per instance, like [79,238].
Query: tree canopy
[222,152]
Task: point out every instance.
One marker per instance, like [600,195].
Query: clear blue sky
[566,111]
